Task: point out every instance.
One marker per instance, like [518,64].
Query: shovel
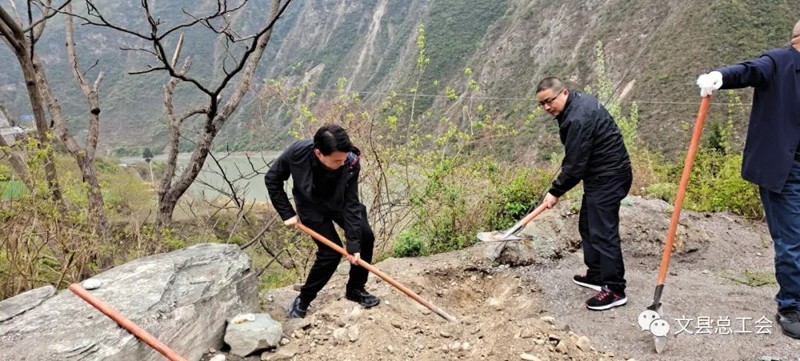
[661,340]
[509,234]
[125,323]
[378,273]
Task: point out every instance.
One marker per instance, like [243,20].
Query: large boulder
[182,298]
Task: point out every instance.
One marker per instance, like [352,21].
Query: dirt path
[517,301]
[699,289]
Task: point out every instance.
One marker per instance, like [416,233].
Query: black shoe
[362,297]
[584,281]
[606,299]
[298,308]
[790,322]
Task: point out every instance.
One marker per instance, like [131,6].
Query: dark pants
[328,259]
[599,228]
[783,218]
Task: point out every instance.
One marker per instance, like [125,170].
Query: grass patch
[751,278]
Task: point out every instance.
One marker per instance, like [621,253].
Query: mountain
[654,51]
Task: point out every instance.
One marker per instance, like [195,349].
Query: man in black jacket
[325,173]
[595,153]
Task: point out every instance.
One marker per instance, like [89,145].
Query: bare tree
[41,96]
[22,41]
[215,110]
[83,155]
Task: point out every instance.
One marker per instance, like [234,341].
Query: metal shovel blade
[496,236]
[660,342]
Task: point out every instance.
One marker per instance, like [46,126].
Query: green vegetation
[751,278]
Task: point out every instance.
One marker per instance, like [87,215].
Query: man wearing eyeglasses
[594,153]
[772,158]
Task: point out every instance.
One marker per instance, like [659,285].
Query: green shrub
[716,185]
[663,191]
[408,244]
[517,192]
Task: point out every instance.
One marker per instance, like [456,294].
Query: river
[235,166]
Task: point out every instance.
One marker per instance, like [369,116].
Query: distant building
[8,132]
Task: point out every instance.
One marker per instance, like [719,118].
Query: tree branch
[125,48]
[47,13]
[13,26]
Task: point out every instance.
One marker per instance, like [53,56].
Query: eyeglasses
[549,100]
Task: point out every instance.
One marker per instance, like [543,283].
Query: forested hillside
[654,51]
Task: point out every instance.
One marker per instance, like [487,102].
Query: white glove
[709,82]
[292,222]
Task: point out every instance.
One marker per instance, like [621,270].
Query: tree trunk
[37,105]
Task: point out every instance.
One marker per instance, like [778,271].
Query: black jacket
[299,161]
[593,145]
[774,131]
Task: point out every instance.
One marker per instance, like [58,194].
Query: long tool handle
[377,272]
[687,170]
[541,208]
[125,323]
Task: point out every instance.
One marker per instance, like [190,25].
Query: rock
[560,326]
[465,345]
[243,317]
[284,341]
[24,301]
[91,284]
[548,319]
[297,286]
[584,344]
[445,334]
[396,324]
[283,353]
[390,349]
[183,298]
[343,268]
[554,337]
[562,347]
[455,346]
[340,335]
[354,315]
[212,350]
[352,334]
[529,357]
[248,337]
[293,324]
[217,358]
[526,333]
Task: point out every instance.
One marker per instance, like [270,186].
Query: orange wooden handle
[687,170]
[536,212]
[377,272]
[125,323]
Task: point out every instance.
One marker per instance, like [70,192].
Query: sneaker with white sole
[585,281]
[606,299]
